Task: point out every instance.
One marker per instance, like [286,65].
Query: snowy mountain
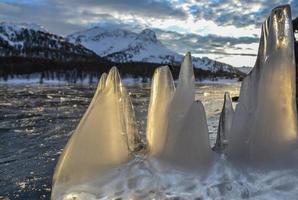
[103,41]
[30,40]
[123,46]
[146,48]
[97,46]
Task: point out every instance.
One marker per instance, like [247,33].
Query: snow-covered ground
[103,41]
[9,30]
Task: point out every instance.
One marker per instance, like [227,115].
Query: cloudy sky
[225,30]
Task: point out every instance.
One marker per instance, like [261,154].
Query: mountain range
[123,46]
[31,40]
[30,48]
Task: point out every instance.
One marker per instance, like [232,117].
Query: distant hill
[27,40]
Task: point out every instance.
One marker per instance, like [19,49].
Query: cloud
[144,8]
[239,13]
[66,16]
[52,17]
[208,44]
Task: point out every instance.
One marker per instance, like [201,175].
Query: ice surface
[183,139]
[139,179]
[225,123]
[103,140]
[264,126]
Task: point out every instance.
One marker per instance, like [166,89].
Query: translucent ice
[162,91]
[225,123]
[182,139]
[100,86]
[264,126]
[103,140]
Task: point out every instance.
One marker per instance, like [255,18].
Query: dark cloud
[239,13]
[145,8]
[66,16]
[54,18]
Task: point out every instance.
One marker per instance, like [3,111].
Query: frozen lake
[37,120]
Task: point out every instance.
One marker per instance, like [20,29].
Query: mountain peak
[120,45]
[103,40]
[13,26]
[148,35]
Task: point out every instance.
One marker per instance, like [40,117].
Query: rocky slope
[29,40]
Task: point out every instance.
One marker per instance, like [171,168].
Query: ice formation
[225,123]
[103,140]
[182,136]
[162,91]
[264,127]
[262,130]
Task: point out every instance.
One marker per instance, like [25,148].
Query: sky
[225,30]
